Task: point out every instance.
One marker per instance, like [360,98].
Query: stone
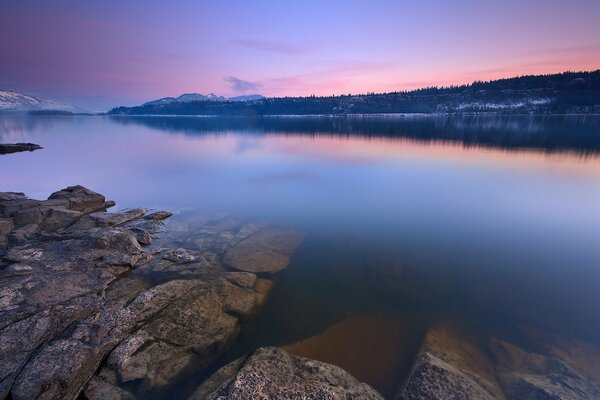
[179,256]
[22,234]
[6,196]
[8,148]
[560,369]
[262,287]
[451,365]
[105,219]
[80,199]
[267,250]
[271,373]
[28,216]
[6,225]
[435,379]
[159,215]
[60,218]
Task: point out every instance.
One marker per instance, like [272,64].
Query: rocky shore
[102,305]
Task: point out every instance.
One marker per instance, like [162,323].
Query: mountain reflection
[574,134]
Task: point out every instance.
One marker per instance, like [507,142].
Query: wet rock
[158,215]
[8,148]
[267,250]
[262,287]
[433,379]
[559,369]
[271,373]
[450,365]
[179,256]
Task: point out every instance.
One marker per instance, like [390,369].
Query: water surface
[490,221]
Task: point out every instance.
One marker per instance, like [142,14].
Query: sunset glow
[113,53]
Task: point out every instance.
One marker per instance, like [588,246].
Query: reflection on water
[579,134]
[409,221]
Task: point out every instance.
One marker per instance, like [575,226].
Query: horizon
[91,56]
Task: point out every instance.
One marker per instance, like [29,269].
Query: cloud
[289,49]
[241,86]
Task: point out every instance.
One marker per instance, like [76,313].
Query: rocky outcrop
[271,373]
[7,148]
[89,302]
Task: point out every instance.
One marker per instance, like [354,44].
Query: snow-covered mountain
[13,101]
[189,97]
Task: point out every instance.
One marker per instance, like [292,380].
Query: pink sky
[98,55]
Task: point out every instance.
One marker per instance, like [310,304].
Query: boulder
[271,373]
[80,199]
[266,250]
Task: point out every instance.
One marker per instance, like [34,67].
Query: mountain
[568,92]
[192,97]
[18,102]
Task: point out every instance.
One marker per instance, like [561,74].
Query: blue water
[494,219]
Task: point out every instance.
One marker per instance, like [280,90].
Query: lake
[492,222]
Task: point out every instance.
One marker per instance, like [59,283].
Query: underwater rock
[374,348]
[266,250]
[558,368]
[450,364]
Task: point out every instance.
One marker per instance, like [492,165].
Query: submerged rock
[271,373]
[558,369]
[375,348]
[266,250]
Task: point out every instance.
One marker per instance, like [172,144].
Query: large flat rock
[266,250]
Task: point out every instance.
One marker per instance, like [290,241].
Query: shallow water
[489,221]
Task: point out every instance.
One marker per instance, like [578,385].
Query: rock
[60,218]
[80,199]
[391,346]
[450,365]
[8,148]
[158,215]
[104,219]
[28,216]
[179,256]
[267,250]
[22,234]
[262,287]
[5,196]
[271,373]
[434,379]
[562,369]
[6,225]
[99,388]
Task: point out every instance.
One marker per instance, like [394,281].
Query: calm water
[492,221]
